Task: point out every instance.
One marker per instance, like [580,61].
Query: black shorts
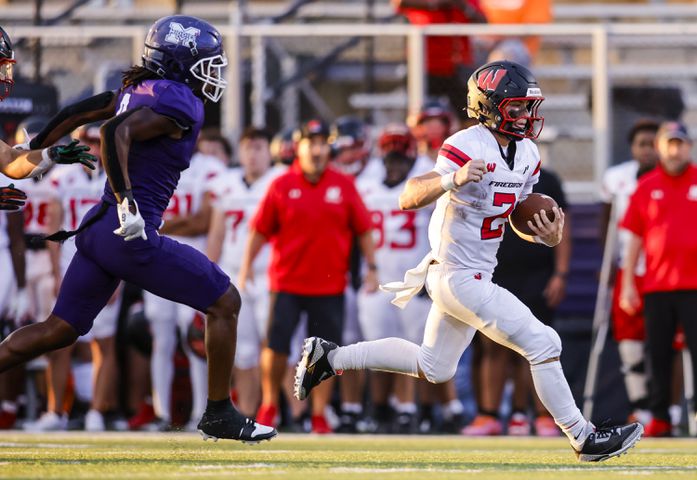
[325,318]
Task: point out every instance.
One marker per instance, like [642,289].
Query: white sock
[387,354]
[555,394]
[348,407]
[9,406]
[632,355]
[409,408]
[162,368]
[82,374]
[452,408]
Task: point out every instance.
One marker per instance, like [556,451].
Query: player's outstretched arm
[117,134]
[425,189]
[216,235]
[630,301]
[92,109]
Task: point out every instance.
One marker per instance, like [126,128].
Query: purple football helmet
[188,50]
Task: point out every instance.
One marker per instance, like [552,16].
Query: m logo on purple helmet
[182,36]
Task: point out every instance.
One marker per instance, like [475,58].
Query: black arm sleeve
[77,112]
[110,157]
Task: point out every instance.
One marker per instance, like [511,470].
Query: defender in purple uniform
[157,115]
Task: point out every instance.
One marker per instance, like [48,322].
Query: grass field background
[156,456]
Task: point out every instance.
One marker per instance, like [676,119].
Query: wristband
[447,181]
[45,164]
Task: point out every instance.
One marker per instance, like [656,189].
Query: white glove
[24,147]
[18,309]
[132,224]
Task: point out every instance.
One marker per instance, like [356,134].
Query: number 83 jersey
[468,222]
[400,236]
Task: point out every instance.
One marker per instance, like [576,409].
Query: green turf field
[156,456]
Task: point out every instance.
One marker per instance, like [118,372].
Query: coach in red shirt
[311,215]
[661,217]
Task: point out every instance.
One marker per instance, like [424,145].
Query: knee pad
[538,343]
[632,356]
[435,372]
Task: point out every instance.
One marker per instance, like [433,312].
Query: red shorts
[631,327]
[625,326]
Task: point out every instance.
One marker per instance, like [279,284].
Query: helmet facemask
[6,77]
[509,116]
[209,71]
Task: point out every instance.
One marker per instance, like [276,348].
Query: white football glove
[24,147]
[18,309]
[132,224]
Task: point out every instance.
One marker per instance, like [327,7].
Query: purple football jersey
[154,166]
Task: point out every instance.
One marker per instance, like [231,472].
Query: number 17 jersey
[468,222]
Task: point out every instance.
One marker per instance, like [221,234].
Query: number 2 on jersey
[500,199]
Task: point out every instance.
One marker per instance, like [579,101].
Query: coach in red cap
[661,217]
[311,215]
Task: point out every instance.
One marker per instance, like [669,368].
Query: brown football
[527,209]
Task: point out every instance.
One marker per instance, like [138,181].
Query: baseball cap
[312,128]
[673,129]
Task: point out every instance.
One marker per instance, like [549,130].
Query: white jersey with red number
[188,197]
[239,201]
[400,236]
[40,194]
[619,183]
[467,225]
[79,191]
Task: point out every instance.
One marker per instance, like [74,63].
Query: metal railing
[599,70]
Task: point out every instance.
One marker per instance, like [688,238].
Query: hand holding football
[527,209]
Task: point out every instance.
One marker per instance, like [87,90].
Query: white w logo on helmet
[182,36]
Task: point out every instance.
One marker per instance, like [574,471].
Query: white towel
[414,281]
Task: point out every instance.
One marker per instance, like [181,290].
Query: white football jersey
[400,236]
[79,191]
[194,182]
[4,237]
[619,183]
[40,194]
[468,223]
[239,203]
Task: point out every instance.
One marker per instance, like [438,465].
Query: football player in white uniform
[186,220]
[619,183]
[350,143]
[237,194]
[401,240]
[41,217]
[480,175]
[80,189]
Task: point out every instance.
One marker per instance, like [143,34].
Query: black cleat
[231,424]
[610,442]
[314,367]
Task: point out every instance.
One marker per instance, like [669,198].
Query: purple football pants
[159,265]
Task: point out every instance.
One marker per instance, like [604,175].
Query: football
[527,209]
